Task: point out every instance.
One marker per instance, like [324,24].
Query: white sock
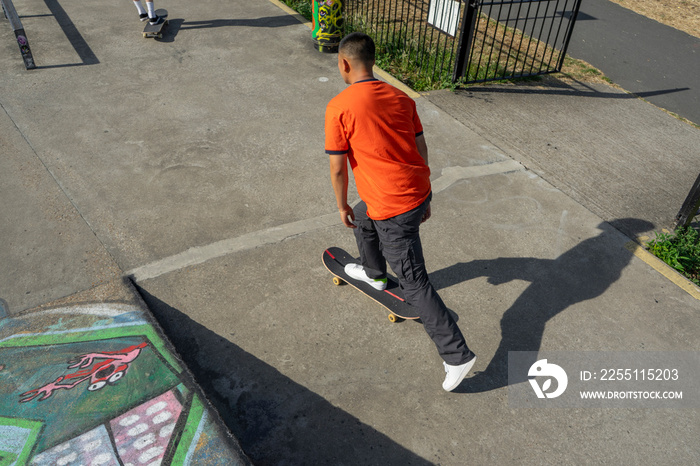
[139,6]
[151,10]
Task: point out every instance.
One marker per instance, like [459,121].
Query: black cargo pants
[397,241]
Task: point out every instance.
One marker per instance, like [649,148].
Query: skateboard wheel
[394,318]
[337,281]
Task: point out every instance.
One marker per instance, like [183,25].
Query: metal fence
[691,206]
[511,39]
[407,44]
[434,42]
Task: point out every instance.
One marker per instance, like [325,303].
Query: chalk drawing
[111,367]
[101,388]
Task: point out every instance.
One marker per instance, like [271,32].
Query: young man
[376,128]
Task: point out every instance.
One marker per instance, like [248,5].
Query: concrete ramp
[92,380]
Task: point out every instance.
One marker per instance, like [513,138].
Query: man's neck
[364,75]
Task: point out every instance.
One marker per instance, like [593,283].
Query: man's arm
[339,179]
[422,147]
[423,151]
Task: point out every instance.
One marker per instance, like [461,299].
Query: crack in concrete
[59,185]
[256,239]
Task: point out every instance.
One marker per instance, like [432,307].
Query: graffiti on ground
[98,385]
[112,366]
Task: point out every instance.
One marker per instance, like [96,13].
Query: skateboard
[157,30]
[391,298]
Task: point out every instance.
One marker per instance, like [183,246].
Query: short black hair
[358,46]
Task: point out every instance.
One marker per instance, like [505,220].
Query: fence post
[569,33]
[327,29]
[11,14]
[690,206]
[465,40]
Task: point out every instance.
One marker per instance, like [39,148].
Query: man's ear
[345,63]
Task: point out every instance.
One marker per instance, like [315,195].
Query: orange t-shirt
[376,125]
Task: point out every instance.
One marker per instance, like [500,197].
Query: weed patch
[303,7]
[680,250]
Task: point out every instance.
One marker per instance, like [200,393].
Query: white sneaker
[357,272]
[455,374]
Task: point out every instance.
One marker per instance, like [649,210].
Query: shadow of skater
[582,273]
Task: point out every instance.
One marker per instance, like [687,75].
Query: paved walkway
[620,157]
[196,166]
[647,58]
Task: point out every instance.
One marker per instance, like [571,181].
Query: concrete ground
[618,156]
[195,165]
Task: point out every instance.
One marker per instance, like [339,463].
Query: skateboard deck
[392,298]
[151,31]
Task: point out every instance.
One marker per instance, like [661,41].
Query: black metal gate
[691,206]
[514,39]
[435,42]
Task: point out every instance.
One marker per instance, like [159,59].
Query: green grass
[680,250]
[422,68]
[422,65]
[303,7]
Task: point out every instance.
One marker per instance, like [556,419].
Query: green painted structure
[327,29]
[98,384]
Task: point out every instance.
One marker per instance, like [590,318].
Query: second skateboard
[155,31]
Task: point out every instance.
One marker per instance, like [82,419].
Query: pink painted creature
[112,367]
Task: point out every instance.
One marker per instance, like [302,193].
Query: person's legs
[142,12]
[368,245]
[153,18]
[401,246]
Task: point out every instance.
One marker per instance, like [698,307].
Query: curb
[664,269]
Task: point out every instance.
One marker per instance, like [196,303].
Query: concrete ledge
[93,380]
